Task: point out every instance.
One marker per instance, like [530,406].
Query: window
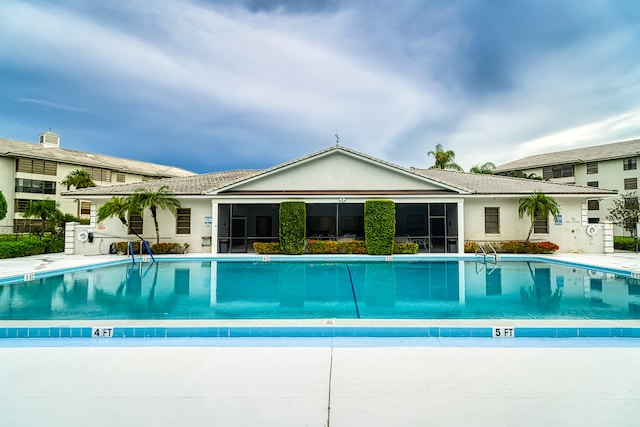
[629,163]
[593,205]
[561,171]
[183,221]
[631,203]
[85,208]
[41,167]
[21,226]
[592,168]
[631,183]
[592,183]
[99,174]
[492,220]
[541,226]
[21,204]
[593,220]
[120,177]
[35,186]
[135,223]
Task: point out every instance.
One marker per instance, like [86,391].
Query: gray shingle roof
[185,186]
[476,183]
[465,183]
[616,150]
[11,148]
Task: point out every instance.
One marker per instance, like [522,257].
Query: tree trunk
[155,223]
[530,230]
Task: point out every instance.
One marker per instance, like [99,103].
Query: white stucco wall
[570,235]
[112,230]
[337,171]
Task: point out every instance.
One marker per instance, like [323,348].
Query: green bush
[520,247]
[169,248]
[266,247]
[335,247]
[405,248]
[625,243]
[293,218]
[30,246]
[379,226]
[3,206]
[514,247]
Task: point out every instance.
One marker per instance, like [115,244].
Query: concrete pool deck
[319,381]
[262,382]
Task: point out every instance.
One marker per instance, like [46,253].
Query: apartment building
[609,166]
[31,171]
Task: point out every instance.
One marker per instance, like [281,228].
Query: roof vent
[50,139]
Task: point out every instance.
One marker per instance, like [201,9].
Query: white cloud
[296,78]
[51,104]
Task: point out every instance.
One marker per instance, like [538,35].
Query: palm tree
[44,210]
[537,206]
[522,174]
[444,159]
[486,168]
[79,179]
[116,207]
[163,199]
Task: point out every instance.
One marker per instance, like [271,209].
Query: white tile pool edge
[317,328]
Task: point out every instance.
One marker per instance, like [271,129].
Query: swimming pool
[233,289]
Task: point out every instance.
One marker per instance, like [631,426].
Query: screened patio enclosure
[434,226]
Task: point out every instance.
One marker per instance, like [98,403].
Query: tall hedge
[379,226]
[3,206]
[293,224]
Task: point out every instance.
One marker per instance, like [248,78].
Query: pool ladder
[146,245]
[487,254]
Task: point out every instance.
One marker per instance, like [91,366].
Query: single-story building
[225,212]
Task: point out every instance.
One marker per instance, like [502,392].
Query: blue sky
[220,85]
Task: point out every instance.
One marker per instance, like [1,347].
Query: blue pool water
[294,290]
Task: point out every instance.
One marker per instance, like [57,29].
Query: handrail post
[133,259]
[148,249]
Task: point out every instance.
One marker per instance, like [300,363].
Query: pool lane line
[353,291]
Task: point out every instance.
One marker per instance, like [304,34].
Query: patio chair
[423,242]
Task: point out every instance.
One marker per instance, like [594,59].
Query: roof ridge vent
[50,139]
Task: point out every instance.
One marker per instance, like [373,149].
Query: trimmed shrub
[625,243]
[353,247]
[470,247]
[520,247]
[323,246]
[516,247]
[379,226]
[30,246]
[266,247]
[293,218]
[169,248]
[405,248]
[335,247]
[3,206]
[156,248]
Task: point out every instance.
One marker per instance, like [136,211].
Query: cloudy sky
[218,85]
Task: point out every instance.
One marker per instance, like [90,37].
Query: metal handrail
[483,249]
